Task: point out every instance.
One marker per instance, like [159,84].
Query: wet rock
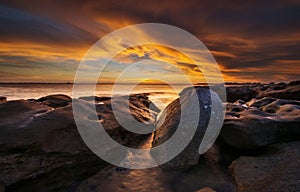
[108,179]
[14,114]
[181,111]
[42,145]
[55,101]
[123,117]
[202,175]
[261,122]
[276,170]
[63,178]
[51,131]
[260,102]
[16,167]
[29,124]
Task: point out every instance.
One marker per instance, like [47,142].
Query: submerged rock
[261,122]
[276,170]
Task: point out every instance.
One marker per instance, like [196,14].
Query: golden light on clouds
[42,41]
[160,60]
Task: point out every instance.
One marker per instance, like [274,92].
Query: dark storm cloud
[20,25]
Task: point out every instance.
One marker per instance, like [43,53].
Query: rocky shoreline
[256,150]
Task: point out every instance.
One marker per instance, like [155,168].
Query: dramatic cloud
[251,41]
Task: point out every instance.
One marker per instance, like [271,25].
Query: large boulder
[180,111]
[261,122]
[275,170]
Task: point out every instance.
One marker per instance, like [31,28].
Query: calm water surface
[161,95]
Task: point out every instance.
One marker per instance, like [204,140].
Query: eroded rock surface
[276,170]
[261,122]
[290,91]
[41,147]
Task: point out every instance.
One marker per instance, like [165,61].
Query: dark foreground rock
[276,170]
[261,122]
[40,146]
[181,111]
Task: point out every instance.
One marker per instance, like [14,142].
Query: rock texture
[276,170]
[290,91]
[257,149]
[170,118]
[41,146]
[261,122]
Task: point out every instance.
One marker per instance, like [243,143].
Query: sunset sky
[44,41]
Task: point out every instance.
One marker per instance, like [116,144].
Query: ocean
[160,95]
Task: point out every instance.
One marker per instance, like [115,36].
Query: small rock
[55,101]
[3,100]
